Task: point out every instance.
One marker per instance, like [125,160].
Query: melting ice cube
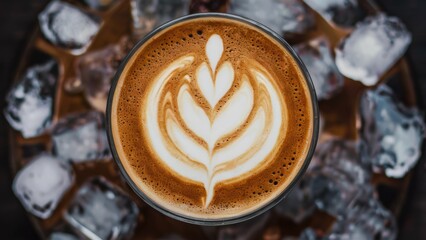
[96,70]
[80,137]
[337,177]
[41,184]
[391,133]
[366,219]
[101,211]
[148,14]
[372,48]
[282,16]
[341,12]
[322,69]
[30,102]
[67,26]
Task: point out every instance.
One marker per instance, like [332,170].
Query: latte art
[211,118]
[227,138]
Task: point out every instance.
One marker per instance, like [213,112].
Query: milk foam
[189,147]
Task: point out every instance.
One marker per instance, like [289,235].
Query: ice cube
[99,4]
[41,184]
[67,26]
[95,71]
[320,64]
[344,156]
[282,16]
[392,134]
[366,219]
[148,14]
[344,13]
[372,48]
[62,236]
[337,178]
[30,102]
[101,211]
[332,191]
[298,204]
[81,137]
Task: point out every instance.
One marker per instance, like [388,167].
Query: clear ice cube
[30,102]
[337,178]
[333,193]
[67,26]
[41,184]
[95,71]
[391,133]
[366,219]
[344,13]
[372,48]
[340,185]
[81,137]
[282,16]
[101,211]
[344,156]
[148,14]
[318,60]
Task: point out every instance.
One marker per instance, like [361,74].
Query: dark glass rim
[266,206]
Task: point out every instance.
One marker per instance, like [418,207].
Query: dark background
[18,17]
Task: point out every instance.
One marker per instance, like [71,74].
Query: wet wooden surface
[17,19]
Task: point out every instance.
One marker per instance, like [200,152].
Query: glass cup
[262,208]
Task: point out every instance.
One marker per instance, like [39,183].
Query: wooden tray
[152,224]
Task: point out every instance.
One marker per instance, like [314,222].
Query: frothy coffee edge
[216,211]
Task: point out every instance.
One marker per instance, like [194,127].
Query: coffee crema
[212,118]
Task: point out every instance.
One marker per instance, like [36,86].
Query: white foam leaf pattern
[214,91]
[186,144]
[223,81]
[205,83]
[244,143]
[214,50]
[193,115]
[158,142]
[259,126]
[266,146]
[233,114]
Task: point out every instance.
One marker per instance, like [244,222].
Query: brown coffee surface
[249,51]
